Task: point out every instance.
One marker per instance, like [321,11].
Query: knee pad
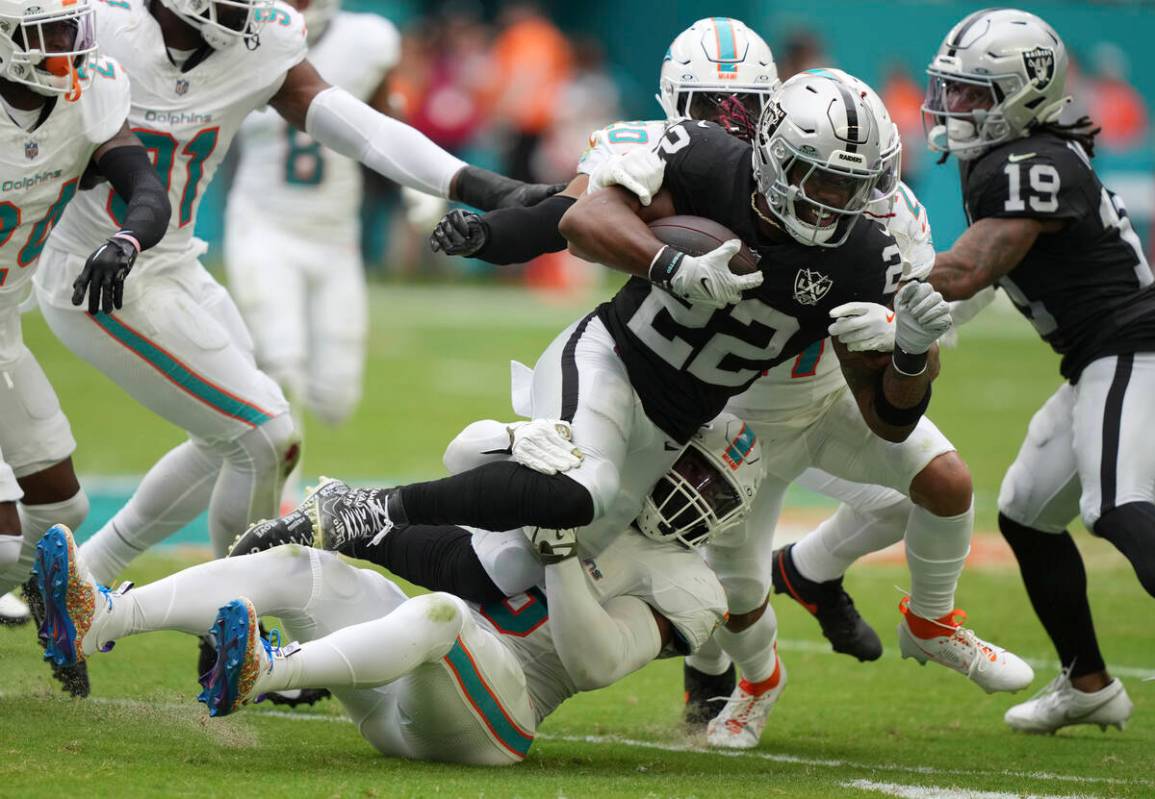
[36,519]
[276,444]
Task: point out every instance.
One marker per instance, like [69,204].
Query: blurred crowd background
[518,87]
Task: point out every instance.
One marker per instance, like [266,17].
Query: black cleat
[841,623]
[73,679]
[705,695]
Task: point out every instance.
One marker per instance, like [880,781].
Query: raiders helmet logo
[1040,66]
[810,286]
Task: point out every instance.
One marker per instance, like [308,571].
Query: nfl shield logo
[1040,66]
[181,87]
[31,150]
[810,286]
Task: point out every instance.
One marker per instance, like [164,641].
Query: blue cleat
[69,599]
[243,657]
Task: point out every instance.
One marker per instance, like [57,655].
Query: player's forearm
[604,227]
[517,235]
[891,402]
[987,250]
[133,177]
[597,645]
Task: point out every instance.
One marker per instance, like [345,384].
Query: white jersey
[674,581]
[286,177]
[40,169]
[186,119]
[618,139]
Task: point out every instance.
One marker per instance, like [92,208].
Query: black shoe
[841,623]
[73,679]
[705,694]
[207,658]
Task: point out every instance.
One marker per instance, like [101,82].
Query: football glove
[544,445]
[921,315]
[459,232]
[104,273]
[639,171]
[863,326]
[552,546]
[705,279]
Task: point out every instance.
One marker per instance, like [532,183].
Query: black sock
[497,496]
[1131,528]
[440,558]
[1056,582]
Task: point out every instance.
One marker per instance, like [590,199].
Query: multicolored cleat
[243,657]
[69,598]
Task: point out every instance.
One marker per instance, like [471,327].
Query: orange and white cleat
[946,642]
[740,724]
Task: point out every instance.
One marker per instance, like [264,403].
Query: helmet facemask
[737,112]
[47,52]
[961,114]
[223,23]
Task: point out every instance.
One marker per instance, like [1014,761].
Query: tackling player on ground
[1045,230]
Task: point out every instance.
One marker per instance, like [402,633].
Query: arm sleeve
[397,151]
[135,180]
[486,441]
[517,235]
[598,645]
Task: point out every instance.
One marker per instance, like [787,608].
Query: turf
[438,359]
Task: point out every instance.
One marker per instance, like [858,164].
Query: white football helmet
[709,488]
[998,73]
[818,157]
[45,44]
[318,14]
[718,70]
[223,23]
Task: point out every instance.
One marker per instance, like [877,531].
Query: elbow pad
[134,178]
[393,149]
[517,235]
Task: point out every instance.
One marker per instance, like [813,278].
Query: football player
[175,341]
[1045,230]
[433,677]
[293,238]
[64,110]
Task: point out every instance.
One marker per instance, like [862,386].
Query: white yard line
[936,792]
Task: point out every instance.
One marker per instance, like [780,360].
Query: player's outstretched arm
[891,402]
[401,153]
[987,250]
[599,645]
[124,162]
[610,227]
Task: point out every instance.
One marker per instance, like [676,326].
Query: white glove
[544,445]
[552,546]
[921,315]
[707,279]
[639,171]
[422,211]
[863,326]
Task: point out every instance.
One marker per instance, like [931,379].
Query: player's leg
[1039,498]
[338,327]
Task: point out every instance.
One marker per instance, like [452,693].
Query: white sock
[10,546]
[752,648]
[710,658]
[375,652]
[826,552]
[35,521]
[172,494]
[936,550]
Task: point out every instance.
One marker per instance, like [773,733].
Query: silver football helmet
[718,70]
[998,73]
[709,488]
[45,45]
[819,158]
[223,23]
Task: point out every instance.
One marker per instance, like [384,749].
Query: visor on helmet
[737,112]
[955,109]
[693,500]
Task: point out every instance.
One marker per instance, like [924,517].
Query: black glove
[528,194]
[459,232]
[104,274]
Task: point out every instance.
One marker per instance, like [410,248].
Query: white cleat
[740,724]
[13,611]
[1060,705]
[990,667]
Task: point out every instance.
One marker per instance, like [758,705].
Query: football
[696,235]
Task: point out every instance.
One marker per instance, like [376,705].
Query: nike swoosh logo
[671,447]
[890,317]
[1014,159]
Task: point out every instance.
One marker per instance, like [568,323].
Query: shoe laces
[361,513]
[983,653]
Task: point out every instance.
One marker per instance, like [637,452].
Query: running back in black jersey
[685,361]
[1087,289]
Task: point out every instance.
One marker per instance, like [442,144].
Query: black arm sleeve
[499,496]
[517,235]
[132,175]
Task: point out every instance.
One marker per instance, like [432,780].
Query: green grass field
[438,360]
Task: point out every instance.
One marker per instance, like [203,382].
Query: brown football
[696,235]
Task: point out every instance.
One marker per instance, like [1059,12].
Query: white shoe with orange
[946,642]
[740,724]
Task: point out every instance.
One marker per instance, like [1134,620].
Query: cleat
[990,667]
[243,662]
[1060,705]
[332,516]
[846,630]
[69,598]
[73,679]
[290,698]
[705,694]
[740,724]
[13,612]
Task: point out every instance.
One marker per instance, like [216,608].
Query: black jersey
[1087,289]
[685,361]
